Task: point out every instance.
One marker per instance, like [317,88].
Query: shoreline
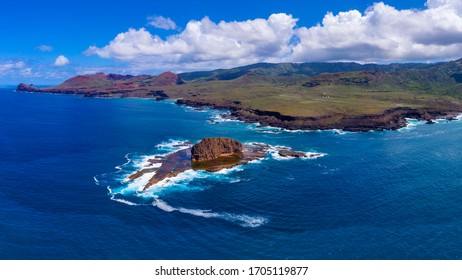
[156,169]
[390,119]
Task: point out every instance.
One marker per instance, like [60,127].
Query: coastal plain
[312,96]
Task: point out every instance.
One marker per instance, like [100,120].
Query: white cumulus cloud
[8,66]
[61,61]
[382,33]
[162,22]
[15,69]
[45,48]
[203,42]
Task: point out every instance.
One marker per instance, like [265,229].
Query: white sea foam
[180,182]
[136,185]
[124,201]
[241,219]
[266,129]
[143,162]
[163,205]
[129,192]
[411,124]
[340,131]
[295,130]
[273,151]
[273,130]
[183,181]
[285,129]
[113,194]
[183,177]
[226,171]
[275,155]
[256,161]
[120,167]
[314,155]
[154,165]
[199,212]
[119,183]
[222,118]
[197,110]
[456,118]
[440,121]
[173,145]
[269,131]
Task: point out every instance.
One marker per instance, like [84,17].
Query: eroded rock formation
[214,154]
[211,154]
[212,148]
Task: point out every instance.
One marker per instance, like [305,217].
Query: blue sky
[46,42]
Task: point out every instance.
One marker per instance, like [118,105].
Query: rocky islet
[210,154]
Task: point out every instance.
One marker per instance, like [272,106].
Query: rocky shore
[210,154]
[390,119]
[343,110]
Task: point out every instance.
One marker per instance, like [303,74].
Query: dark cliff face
[24,87]
[213,148]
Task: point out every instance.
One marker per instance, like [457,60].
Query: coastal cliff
[112,85]
[214,154]
[213,148]
[351,97]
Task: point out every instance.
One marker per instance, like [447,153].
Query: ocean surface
[64,161]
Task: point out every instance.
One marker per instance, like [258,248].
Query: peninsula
[308,96]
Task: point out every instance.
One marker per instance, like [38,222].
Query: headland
[306,96]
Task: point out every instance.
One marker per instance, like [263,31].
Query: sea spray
[131,192]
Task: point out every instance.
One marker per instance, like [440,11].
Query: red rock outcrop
[26,88]
[213,148]
[167,79]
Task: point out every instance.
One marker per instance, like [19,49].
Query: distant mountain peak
[167,78]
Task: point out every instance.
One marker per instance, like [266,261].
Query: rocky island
[210,154]
[306,96]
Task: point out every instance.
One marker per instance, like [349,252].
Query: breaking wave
[411,124]
[222,118]
[131,192]
[173,145]
[124,201]
[240,219]
[274,153]
[272,129]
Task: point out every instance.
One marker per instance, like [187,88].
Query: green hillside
[298,96]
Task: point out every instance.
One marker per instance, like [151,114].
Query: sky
[45,42]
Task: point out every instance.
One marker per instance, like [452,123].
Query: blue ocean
[64,194]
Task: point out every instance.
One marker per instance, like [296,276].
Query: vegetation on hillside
[328,93]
